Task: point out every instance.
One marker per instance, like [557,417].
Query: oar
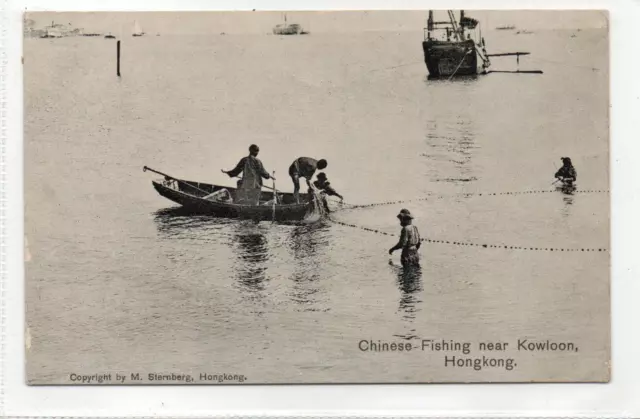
[269,187]
[145,168]
[275,197]
[556,169]
[559,180]
[264,186]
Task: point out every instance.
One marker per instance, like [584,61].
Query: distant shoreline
[227,34]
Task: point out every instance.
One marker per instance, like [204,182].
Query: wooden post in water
[118,58]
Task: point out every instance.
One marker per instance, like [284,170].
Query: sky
[195,23]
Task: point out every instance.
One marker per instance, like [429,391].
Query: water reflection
[247,240]
[451,131]
[181,223]
[308,239]
[251,248]
[308,244]
[568,204]
[452,145]
[409,282]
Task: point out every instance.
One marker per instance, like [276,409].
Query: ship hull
[449,58]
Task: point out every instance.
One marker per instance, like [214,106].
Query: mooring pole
[118,58]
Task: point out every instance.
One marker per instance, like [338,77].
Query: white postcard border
[619,398]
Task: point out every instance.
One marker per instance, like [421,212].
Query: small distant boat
[109,36]
[524,32]
[288,29]
[137,30]
[57,30]
[505,28]
[51,33]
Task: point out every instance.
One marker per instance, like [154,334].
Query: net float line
[464,195]
[481,245]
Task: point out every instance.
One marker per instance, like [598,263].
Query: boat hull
[447,58]
[190,195]
[293,29]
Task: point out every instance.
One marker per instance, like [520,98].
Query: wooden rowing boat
[192,196]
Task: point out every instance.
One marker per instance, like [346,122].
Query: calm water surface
[119,282]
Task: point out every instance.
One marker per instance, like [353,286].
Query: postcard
[232,198]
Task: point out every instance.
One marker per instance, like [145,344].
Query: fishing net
[318,209]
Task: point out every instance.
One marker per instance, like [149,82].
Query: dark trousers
[410,257]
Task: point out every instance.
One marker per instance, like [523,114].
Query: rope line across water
[466,195]
[483,245]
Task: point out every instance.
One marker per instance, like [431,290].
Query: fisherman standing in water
[253,172]
[409,241]
[304,167]
[567,173]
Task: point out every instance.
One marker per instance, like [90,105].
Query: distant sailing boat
[288,29]
[137,30]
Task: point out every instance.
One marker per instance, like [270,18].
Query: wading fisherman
[567,173]
[409,240]
[304,167]
[252,174]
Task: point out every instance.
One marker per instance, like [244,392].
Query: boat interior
[226,194]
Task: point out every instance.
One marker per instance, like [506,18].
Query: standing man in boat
[567,173]
[304,167]
[252,174]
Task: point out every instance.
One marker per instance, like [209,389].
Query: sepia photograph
[316,197]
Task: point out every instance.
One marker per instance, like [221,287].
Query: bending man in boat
[567,173]
[253,172]
[304,167]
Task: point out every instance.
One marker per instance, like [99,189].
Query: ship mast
[456,30]
[452,26]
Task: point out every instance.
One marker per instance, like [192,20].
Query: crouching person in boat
[304,167]
[250,187]
[322,184]
[409,241]
[567,173]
